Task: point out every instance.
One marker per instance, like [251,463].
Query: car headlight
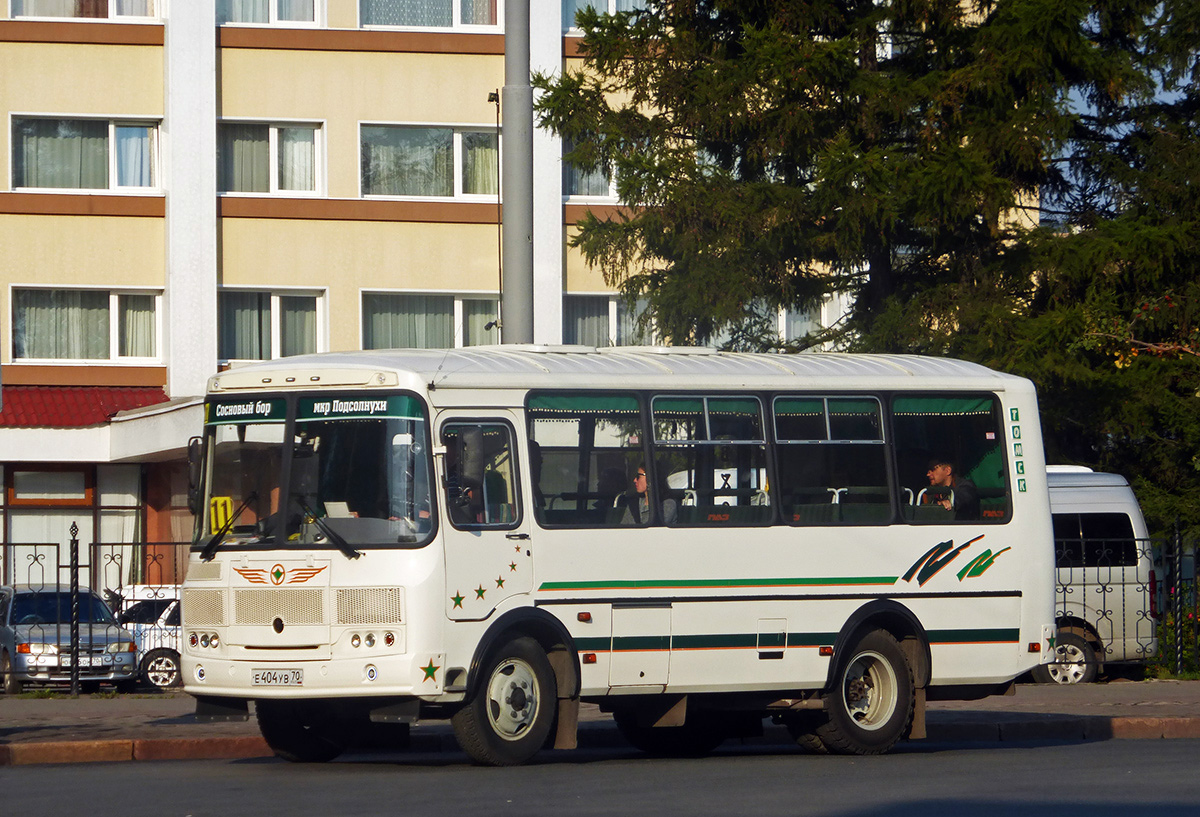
[38,649]
[122,646]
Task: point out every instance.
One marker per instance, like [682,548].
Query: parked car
[1107,599]
[153,616]
[35,640]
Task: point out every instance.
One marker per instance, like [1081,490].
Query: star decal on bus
[430,671]
[479,591]
[499,581]
[457,598]
[513,567]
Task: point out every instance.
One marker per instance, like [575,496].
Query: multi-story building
[192,184]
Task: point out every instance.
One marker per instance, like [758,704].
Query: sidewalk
[158,726]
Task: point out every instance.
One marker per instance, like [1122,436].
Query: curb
[601,736]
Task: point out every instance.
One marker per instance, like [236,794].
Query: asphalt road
[1098,779]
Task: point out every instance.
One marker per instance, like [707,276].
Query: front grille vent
[204,608]
[293,605]
[370,605]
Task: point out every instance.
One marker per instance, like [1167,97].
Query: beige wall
[342,89]
[578,276]
[100,80]
[348,256]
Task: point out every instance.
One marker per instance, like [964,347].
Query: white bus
[388,536]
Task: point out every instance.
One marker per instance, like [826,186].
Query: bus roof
[621,367]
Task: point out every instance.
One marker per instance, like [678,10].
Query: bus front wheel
[509,717]
[871,703]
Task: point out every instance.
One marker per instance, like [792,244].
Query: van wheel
[304,731]
[12,685]
[509,717]
[871,704]
[1074,662]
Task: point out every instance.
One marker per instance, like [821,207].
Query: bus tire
[698,736]
[1074,662]
[802,726]
[303,731]
[871,704]
[509,717]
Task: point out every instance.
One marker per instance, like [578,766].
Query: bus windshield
[357,472]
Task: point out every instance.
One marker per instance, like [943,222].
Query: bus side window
[480,475]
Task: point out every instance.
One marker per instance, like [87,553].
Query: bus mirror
[195,460]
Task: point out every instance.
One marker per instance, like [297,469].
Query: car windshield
[55,608]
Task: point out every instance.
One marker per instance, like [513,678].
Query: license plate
[84,661]
[278,677]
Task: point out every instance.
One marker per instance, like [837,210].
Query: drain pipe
[516,189]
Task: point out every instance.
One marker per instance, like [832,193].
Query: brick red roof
[72,406]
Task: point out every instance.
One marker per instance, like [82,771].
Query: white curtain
[299,11]
[297,325]
[66,153]
[134,8]
[244,325]
[39,566]
[399,161]
[477,313]
[242,11]
[437,13]
[569,7]
[481,163]
[134,154]
[580,182]
[478,12]
[243,158]
[135,329]
[63,324]
[398,321]
[585,320]
[297,158]
[630,331]
[58,8]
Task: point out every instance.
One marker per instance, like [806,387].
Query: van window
[1094,540]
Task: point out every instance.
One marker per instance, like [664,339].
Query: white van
[1106,599]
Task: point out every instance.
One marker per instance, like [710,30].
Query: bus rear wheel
[303,731]
[871,703]
[508,719]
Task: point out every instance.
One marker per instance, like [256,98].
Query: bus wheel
[802,726]
[870,707]
[509,717]
[303,731]
[697,737]
[1074,662]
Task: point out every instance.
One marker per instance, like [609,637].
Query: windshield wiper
[330,533]
[210,547]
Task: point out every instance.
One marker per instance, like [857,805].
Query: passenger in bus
[963,496]
[641,502]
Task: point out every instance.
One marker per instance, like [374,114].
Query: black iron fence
[1179,636]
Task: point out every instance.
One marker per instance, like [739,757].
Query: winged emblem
[278,575]
[254,576]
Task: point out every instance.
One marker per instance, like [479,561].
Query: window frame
[457,317]
[276,317]
[113,16]
[456,23]
[318,20]
[115,358]
[273,127]
[113,188]
[457,159]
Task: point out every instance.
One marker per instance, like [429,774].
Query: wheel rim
[162,671]
[512,699]
[1069,665]
[870,690]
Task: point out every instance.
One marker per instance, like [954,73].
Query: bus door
[485,530]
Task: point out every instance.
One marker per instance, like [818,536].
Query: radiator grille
[293,605]
[204,608]
[204,571]
[370,605]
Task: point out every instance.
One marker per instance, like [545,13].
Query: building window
[256,325]
[84,154]
[603,320]
[397,320]
[254,158]
[594,183]
[429,13]
[57,324]
[91,9]
[570,7]
[429,161]
[266,12]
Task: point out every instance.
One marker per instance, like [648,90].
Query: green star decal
[479,591]
[430,672]
[499,581]
[457,598]
[1053,638]
[513,567]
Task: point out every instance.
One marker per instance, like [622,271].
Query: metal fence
[1179,639]
[139,581]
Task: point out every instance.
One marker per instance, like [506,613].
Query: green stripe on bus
[670,584]
[975,636]
[707,641]
[641,642]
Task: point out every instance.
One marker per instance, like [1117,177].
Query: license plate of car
[278,677]
[84,661]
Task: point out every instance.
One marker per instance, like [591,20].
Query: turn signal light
[588,658]
[825,651]
[1035,646]
[586,618]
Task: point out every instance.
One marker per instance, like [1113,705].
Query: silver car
[35,640]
